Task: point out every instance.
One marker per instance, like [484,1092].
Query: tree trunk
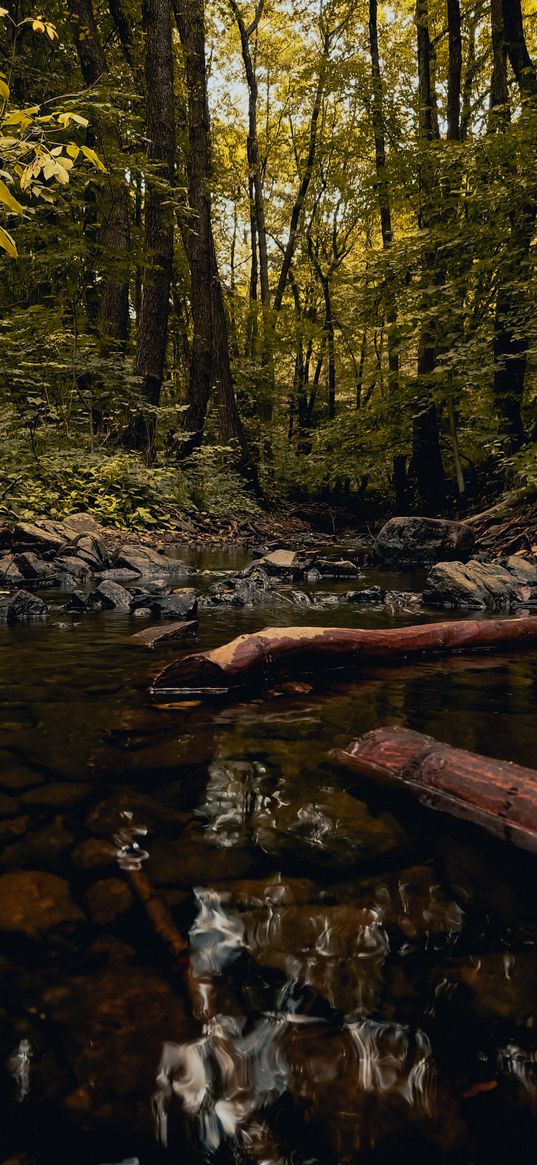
[253,659]
[307,173]
[114,241]
[498,796]
[158,223]
[426,455]
[510,344]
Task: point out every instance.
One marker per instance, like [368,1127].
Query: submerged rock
[239,591]
[366,595]
[32,902]
[179,605]
[107,900]
[419,541]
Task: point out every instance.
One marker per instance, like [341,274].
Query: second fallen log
[253,659]
[499,796]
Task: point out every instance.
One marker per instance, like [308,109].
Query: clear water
[363,972]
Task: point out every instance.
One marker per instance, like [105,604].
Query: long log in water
[499,796]
[254,659]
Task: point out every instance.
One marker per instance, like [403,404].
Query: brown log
[499,796]
[253,659]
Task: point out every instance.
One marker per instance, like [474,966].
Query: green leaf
[7,198]
[8,243]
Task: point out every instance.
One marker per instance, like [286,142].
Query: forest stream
[371,965]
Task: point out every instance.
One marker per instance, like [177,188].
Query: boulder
[337,568]
[521,569]
[111,596]
[181,604]
[78,603]
[238,592]
[32,903]
[10,574]
[47,537]
[91,550]
[282,563]
[23,605]
[474,585]
[143,560]
[34,569]
[69,564]
[107,900]
[406,542]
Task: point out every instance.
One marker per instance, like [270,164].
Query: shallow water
[363,971]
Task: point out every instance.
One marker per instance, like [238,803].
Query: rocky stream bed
[366,970]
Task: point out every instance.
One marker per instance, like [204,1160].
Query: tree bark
[426,454]
[498,796]
[158,223]
[114,241]
[510,343]
[305,180]
[252,659]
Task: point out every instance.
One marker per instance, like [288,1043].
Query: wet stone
[78,603]
[179,605]
[111,596]
[107,900]
[112,1026]
[190,861]
[22,605]
[132,808]
[366,595]
[94,854]
[47,846]
[32,903]
[58,795]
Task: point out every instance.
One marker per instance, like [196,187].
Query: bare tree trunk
[158,246]
[114,241]
[426,454]
[305,180]
[210,364]
[510,344]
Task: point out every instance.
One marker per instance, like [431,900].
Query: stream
[368,967]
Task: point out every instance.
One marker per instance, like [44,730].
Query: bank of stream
[371,965]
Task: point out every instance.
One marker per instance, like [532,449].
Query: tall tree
[426,454]
[114,241]
[158,223]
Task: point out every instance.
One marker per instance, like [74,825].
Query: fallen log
[499,796]
[254,659]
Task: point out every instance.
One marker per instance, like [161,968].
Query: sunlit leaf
[8,243]
[7,198]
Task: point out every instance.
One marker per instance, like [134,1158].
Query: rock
[23,605]
[92,551]
[142,613]
[179,605]
[111,1026]
[132,808]
[366,595]
[94,854]
[111,596]
[118,575]
[34,569]
[58,795]
[78,603]
[282,563]
[193,861]
[45,537]
[32,902]
[524,571]
[107,900]
[151,636]
[9,571]
[473,585]
[68,564]
[82,523]
[238,591]
[143,560]
[337,568]
[46,847]
[406,542]
[275,891]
